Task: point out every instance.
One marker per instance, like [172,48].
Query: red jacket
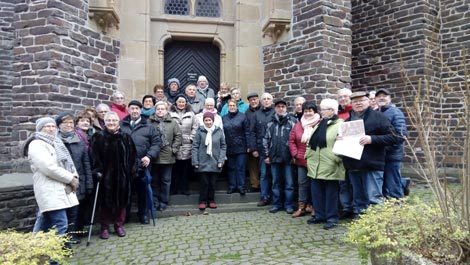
[297,149]
[344,113]
[121,110]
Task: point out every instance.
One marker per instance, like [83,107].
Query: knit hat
[135,102]
[210,101]
[181,96]
[208,115]
[173,80]
[43,121]
[202,78]
[62,117]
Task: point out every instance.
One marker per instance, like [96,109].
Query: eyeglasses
[359,101]
[326,109]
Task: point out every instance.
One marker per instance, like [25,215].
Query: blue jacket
[276,138]
[236,133]
[397,119]
[382,133]
[241,106]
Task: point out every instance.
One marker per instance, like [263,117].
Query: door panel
[187,60]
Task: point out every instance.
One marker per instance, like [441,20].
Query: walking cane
[94,209]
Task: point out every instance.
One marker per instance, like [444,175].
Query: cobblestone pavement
[254,237]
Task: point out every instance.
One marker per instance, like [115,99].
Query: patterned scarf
[208,141]
[63,156]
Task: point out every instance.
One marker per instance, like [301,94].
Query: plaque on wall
[192,78]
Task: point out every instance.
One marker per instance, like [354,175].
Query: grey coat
[199,156]
[172,138]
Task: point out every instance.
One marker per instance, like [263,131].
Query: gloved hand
[97,176]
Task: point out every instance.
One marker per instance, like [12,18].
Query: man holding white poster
[366,173]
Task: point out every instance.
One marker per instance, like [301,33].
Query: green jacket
[172,137]
[323,163]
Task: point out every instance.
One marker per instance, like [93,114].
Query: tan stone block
[133,27]
[133,50]
[131,69]
[249,13]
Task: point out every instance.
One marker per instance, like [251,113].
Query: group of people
[166,137]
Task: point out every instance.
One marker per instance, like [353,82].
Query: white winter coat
[49,179]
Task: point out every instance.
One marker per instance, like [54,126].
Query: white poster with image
[349,146]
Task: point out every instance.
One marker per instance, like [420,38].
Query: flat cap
[383,90]
[359,94]
[136,103]
[280,101]
[252,94]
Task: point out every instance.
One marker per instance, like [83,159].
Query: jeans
[283,182]
[182,170]
[392,187]
[39,224]
[325,199]
[345,194]
[162,174]
[236,171]
[304,184]
[72,217]
[56,219]
[207,189]
[264,179]
[367,188]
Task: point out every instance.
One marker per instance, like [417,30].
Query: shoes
[104,234]
[300,211]
[406,188]
[74,239]
[274,209]
[120,231]
[289,210]
[212,205]
[315,220]
[242,191]
[254,189]
[309,209]
[202,206]
[161,207]
[346,215]
[230,191]
[144,220]
[329,226]
[262,202]
[356,216]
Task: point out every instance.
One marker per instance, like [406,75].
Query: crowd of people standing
[157,144]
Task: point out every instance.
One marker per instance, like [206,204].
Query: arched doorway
[186,60]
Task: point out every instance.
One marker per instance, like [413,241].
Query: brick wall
[59,64]
[317,61]
[17,208]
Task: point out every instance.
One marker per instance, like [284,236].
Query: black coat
[81,160]
[236,133]
[146,137]
[276,138]
[376,125]
[258,123]
[115,156]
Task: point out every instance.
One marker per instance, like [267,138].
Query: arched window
[177,7]
[207,8]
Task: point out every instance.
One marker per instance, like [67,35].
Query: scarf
[63,156]
[67,136]
[318,138]
[148,112]
[308,125]
[161,127]
[208,141]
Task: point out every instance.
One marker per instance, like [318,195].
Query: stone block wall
[17,208]
[317,60]
[59,64]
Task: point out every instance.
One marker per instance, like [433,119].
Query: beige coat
[49,178]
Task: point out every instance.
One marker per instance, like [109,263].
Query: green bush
[28,248]
[412,225]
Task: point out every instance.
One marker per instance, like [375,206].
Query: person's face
[254,102]
[67,125]
[360,104]
[191,92]
[112,123]
[383,100]
[308,113]
[160,111]
[83,124]
[267,101]
[202,84]
[101,112]
[118,99]
[326,112]
[49,128]
[235,94]
[209,106]
[298,106]
[92,116]
[223,90]
[232,107]
[208,122]
[135,112]
[372,100]
[174,86]
[343,99]
[281,109]
[181,104]
[148,103]
[159,94]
